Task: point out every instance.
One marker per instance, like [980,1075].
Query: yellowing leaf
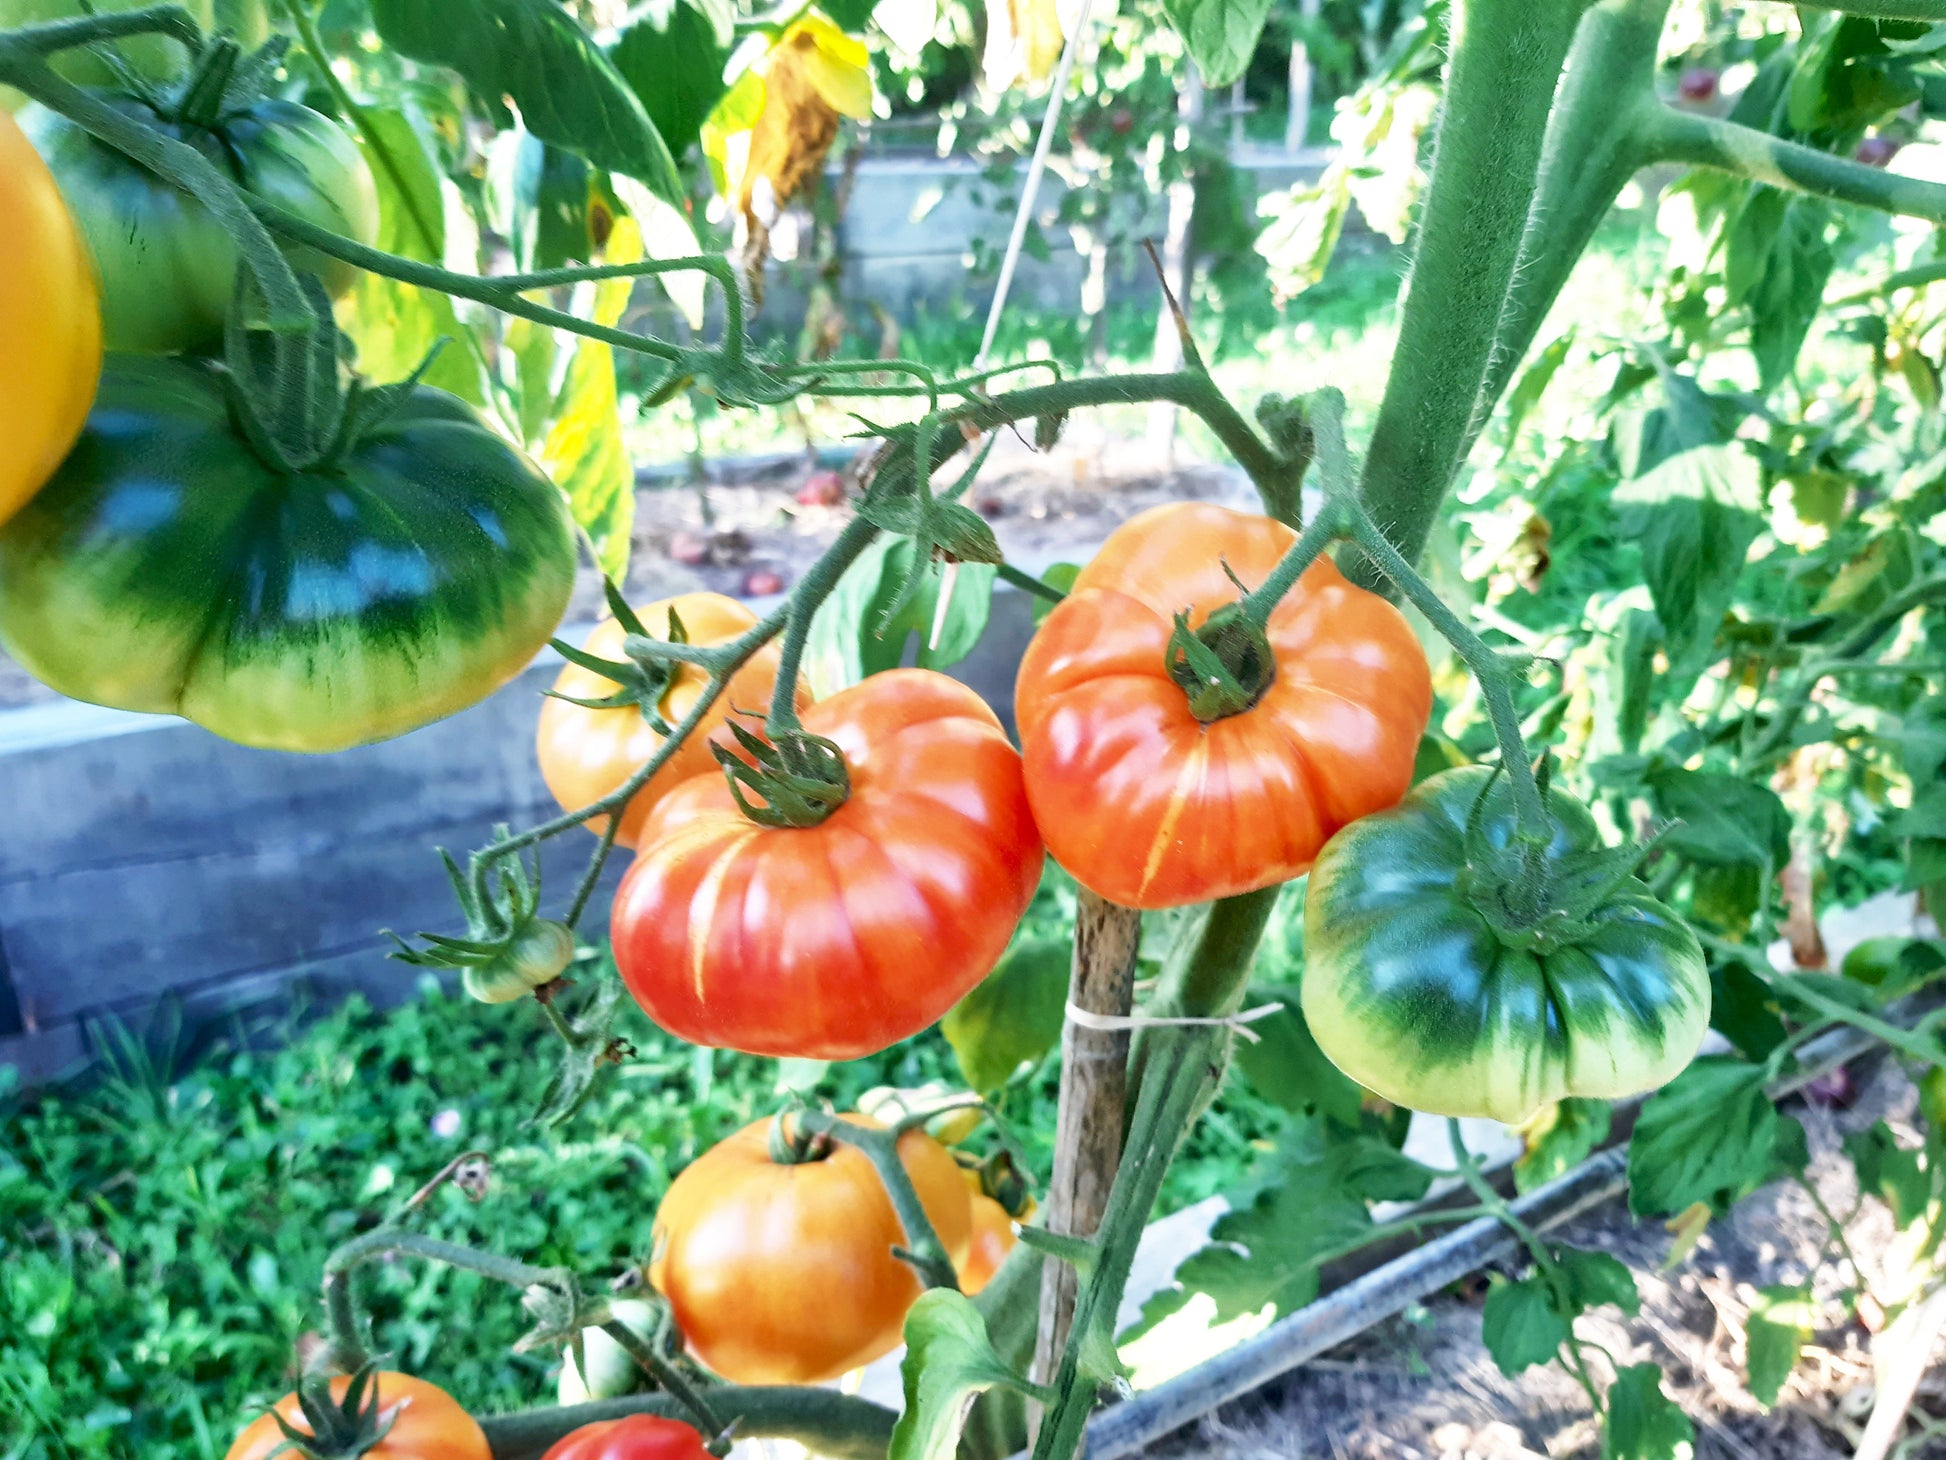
[1024,40]
[583,450]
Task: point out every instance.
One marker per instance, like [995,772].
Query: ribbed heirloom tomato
[426,1424]
[1421,983]
[168,267]
[781,1271]
[638,1437]
[50,322]
[167,567]
[1150,806]
[585,754]
[833,939]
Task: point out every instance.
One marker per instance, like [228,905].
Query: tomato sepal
[340,1428]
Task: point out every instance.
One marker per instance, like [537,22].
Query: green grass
[164,1223]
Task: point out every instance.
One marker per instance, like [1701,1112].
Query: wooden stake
[1094,1100]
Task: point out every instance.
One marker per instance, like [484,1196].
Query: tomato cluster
[165,544]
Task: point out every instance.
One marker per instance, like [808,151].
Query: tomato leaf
[1643,1422]
[674,57]
[948,1360]
[1743,1009]
[1726,820]
[1709,1135]
[1560,1139]
[1288,1069]
[1221,35]
[583,450]
[1779,1326]
[1890,1172]
[1309,1205]
[851,638]
[1013,1017]
[1695,517]
[567,89]
[1595,1278]
[1521,1325]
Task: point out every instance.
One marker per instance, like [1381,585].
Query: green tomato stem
[1008,573]
[1495,678]
[1593,146]
[811,591]
[1496,1206]
[840,1426]
[49,36]
[347,1337]
[184,168]
[1725,146]
[699,1411]
[923,1250]
[1507,57]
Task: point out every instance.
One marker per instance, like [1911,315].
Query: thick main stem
[1593,146]
[1093,1104]
[824,1421]
[1507,57]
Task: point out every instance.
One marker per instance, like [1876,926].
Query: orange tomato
[585,754]
[784,1274]
[1150,807]
[50,319]
[835,940]
[427,1424]
[993,1239]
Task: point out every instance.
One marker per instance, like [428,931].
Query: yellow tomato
[50,321]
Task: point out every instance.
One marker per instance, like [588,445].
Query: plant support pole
[1094,1103]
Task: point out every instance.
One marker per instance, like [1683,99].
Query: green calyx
[1225,666]
[223,80]
[1536,901]
[293,397]
[508,951]
[339,1429]
[791,1143]
[642,679]
[799,779]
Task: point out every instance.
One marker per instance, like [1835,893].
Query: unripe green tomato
[611,1372]
[168,266]
[538,956]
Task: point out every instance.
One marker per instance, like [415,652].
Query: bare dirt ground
[742,530]
[1423,1387]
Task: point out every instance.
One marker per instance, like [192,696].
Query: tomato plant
[1690,701]
[1154,799]
[775,1252]
[587,752]
[169,566]
[895,894]
[49,299]
[168,267]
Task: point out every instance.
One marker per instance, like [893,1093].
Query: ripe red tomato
[784,1274]
[585,753]
[1150,807]
[833,941]
[426,1424]
[638,1437]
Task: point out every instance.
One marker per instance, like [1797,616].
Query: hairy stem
[812,589]
[699,1411]
[1507,57]
[82,30]
[1672,136]
[824,1421]
[341,1309]
[923,1249]
[1591,150]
